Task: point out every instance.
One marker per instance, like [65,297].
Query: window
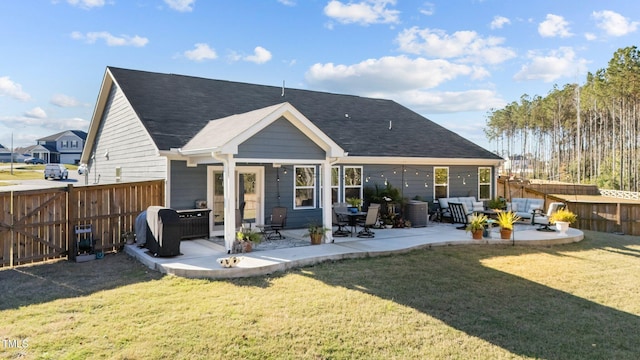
[441,182]
[305,187]
[484,183]
[353,182]
[335,185]
[118,174]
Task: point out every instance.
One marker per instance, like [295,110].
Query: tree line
[585,133]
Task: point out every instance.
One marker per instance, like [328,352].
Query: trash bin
[163,235]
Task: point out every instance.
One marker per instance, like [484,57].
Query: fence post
[72,214]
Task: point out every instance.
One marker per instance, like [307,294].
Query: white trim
[390,160]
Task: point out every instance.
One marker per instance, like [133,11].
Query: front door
[248,196]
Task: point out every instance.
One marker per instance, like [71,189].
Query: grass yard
[577,301]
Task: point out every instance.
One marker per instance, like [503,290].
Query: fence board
[37,225]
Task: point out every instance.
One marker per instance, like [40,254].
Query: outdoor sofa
[524,207]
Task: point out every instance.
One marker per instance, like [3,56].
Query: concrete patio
[199,257]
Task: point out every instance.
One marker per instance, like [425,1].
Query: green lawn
[577,301]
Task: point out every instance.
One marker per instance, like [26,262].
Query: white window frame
[344,182]
[435,179]
[480,184]
[313,187]
[337,186]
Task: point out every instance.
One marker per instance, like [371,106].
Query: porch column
[229,202]
[327,218]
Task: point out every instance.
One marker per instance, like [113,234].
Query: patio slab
[198,258]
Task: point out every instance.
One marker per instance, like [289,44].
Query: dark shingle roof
[174,108]
[79,133]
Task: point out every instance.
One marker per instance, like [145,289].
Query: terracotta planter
[477,234]
[316,239]
[247,246]
[505,234]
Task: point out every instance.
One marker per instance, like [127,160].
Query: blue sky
[449,60]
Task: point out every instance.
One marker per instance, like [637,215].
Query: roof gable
[226,134]
[174,108]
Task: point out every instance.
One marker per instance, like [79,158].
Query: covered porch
[258,145]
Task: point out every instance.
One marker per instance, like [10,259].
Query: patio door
[248,196]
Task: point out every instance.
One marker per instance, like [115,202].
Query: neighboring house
[64,147]
[237,144]
[5,155]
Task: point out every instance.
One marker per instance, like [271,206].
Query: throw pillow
[514,207]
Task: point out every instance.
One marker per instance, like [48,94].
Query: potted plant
[355,202]
[388,220]
[476,225]
[245,238]
[563,218]
[506,219]
[316,233]
[498,203]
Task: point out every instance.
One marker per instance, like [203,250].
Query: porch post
[229,202]
[327,219]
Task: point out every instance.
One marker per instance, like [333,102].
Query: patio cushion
[523,207]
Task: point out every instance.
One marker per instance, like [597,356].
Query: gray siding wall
[187,185]
[280,193]
[128,144]
[280,140]
[411,180]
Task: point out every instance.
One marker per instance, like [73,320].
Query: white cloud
[499,21]
[260,55]
[44,123]
[449,101]
[201,52]
[36,113]
[287,2]
[428,9]
[364,12]
[613,23]
[181,5]
[110,40]
[466,46]
[590,36]
[64,101]
[554,26]
[387,74]
[550,67]
[86,4]
[12,89]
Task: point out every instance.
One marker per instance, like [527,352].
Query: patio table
[353,217]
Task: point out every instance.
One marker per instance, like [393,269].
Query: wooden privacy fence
[38,225]
[595,212]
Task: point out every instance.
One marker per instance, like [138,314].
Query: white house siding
[126,145]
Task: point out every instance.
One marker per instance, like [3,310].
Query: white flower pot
[562,227]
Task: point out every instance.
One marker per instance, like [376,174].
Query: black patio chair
[539,218]
[341,224]
[271,231]
[459,215]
